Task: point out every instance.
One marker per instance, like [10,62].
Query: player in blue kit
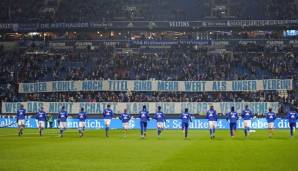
[144,118]
[82,116]
[292,117]
[159,116]
[232,117]
[62,119]
[270,117]
[21,114]
[247,116]
[41,116]
[211,115]
[185,119]
[125,118]
[107,116]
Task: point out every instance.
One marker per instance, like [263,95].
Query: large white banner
[156,85]
[135,107]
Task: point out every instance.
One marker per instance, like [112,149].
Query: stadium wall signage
[170,124]
[135,107]
[62,44]
[66,26]
[157,85]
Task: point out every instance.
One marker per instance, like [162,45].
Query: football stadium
[148,85]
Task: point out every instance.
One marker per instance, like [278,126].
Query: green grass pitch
[170,152]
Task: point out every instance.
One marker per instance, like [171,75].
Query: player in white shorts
[82,116]
[125,118]
[107,116]
[270,117]
[62,118]
[211,115]
[159,116]
[41,116]
[247,116]
[20,118]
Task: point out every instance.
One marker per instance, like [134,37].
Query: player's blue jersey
[108,114]
[159,116]
[144,116]
[41,116]
[125,117]
[270,117]
[21,113]
[232,117]
[247,114]
[211,115]
[82,116]
[62,116]
[292,117]
[185,117]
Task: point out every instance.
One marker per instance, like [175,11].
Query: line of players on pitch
[232,116]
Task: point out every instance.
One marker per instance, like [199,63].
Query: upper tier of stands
[103,10]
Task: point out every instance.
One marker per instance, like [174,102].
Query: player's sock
[61,132]
[107,131]
[270,133]
[213,130]
[185,133]
[21,130]
[158,131]
[245,131]
[210,130]
[231,132]
[145,130]
[81,132]
[142,129]
[142,132]
[291,131]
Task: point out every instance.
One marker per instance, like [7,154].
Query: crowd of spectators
[176,63]
[262,96]
[103,10]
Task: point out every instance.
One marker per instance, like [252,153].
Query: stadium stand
[93,10]
[194,65]
[181,61]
